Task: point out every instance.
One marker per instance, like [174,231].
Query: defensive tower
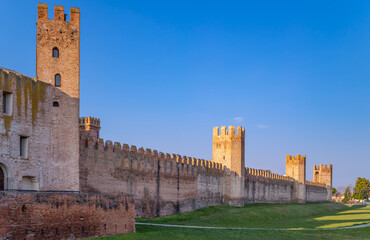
[228,148]
[295,167]
[90,127]
[58,64]
[58,49]
[323,174]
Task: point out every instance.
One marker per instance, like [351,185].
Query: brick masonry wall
[42,215]
[33,115]
[316,193]
[262,189]
[163,184]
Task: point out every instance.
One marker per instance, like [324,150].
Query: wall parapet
[44,215]
[89,121]
[315,184]
[110,147]
[267,174]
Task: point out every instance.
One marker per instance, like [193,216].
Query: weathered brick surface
[228,150]
[31,215]
[65,36]
[316,193]
[323,174]
[295,167]
[163,184]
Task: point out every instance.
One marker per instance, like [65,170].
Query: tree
[333,191]
[362,189]
[347,195]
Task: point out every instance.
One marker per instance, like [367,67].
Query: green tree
[333,191]
[347,195]
[362,189]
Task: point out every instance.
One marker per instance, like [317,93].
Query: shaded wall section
[45,215]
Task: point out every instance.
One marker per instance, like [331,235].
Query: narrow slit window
[55,52]
[57,80]
[24,147]
[7,103]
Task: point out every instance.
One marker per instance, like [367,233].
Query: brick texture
[31,215]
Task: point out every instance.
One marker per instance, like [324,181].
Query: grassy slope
[313,215]
[153,233]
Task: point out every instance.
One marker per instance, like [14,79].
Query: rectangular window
[7,103]
[24,147]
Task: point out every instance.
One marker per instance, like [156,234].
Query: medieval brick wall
[267,187]
[317,193]
[161,184]
[33,116]
[42,215]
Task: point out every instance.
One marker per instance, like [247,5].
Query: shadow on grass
[263,215]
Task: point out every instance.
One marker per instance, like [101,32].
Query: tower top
[89,126]
[295,167]
[228,148]
[59,14]
[58,49]
[231,132]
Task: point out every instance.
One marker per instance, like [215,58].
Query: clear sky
[162,74]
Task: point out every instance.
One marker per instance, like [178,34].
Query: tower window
[55,52]
[55,104]
[57,80]
[24,147]
[7,103]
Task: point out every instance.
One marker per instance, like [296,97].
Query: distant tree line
[361,190]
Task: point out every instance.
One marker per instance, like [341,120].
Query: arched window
[55,52]
[55,104]
[2,179]
[57,80]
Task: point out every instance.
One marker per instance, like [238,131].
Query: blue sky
[162,74]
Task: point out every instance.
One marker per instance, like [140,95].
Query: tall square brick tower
[228,149]
[58,64]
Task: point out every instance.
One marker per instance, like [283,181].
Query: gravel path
[236,228]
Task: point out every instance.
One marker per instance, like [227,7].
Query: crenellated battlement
[312,183]
[322,167]
[295,167]
[89,127]
[267,174]
[296,159]
[108,147]
[323,174]
[229,132]
[90,121]
[59,14]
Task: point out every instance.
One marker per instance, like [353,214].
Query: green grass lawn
[311,215]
